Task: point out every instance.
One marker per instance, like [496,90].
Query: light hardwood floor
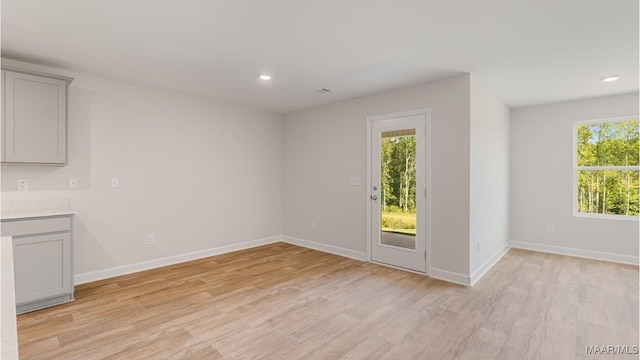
[286,302]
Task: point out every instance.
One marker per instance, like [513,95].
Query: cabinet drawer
[35,226]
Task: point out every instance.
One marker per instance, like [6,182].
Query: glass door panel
[398,188]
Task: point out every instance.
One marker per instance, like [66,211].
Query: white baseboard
[478,274]
[449,276]
[589,254]
[357,255]
[171,260]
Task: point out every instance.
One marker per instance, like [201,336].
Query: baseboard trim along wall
[449,276]
[589,254]
[478,274]
[436,273]
[357,255]
[170,260]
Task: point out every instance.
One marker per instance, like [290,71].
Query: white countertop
[34,213]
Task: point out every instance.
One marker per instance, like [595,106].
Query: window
[606,171]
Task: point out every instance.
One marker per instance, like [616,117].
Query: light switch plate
[73,183]
[23,184]
[115,182]
[354,181]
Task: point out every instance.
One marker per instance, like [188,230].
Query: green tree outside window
[607,158]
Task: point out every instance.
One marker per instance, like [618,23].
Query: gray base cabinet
[42,258]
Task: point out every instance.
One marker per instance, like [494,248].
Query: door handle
[373,197]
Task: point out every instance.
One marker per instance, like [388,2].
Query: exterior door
[398,190]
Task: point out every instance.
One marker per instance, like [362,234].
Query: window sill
[606,217]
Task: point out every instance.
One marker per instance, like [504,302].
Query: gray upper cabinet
[34,117]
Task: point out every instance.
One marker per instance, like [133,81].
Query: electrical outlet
[550,229]
[150,239]
[115,182]
[314,226]
[23,184]
[73,183]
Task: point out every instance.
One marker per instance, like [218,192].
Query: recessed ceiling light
[611,78]
[265,77]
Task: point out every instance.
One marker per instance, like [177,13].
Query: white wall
[202,175]
[326,145]
[489,178]
[196,173]
[542,182]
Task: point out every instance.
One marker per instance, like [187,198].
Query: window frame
[576,169]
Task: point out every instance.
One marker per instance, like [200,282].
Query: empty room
[319,179]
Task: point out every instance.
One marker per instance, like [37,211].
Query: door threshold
[399,268]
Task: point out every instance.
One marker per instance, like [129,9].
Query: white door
[398,189]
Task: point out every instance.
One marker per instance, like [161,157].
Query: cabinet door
[42,266]
[34,119]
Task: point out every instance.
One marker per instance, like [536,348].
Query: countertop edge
[28,214]
[8,328]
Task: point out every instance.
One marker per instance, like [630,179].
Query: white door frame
[427,220]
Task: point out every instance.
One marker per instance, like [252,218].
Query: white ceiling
[528,51]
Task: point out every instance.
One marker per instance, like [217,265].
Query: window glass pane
[608,143]
[608,192]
